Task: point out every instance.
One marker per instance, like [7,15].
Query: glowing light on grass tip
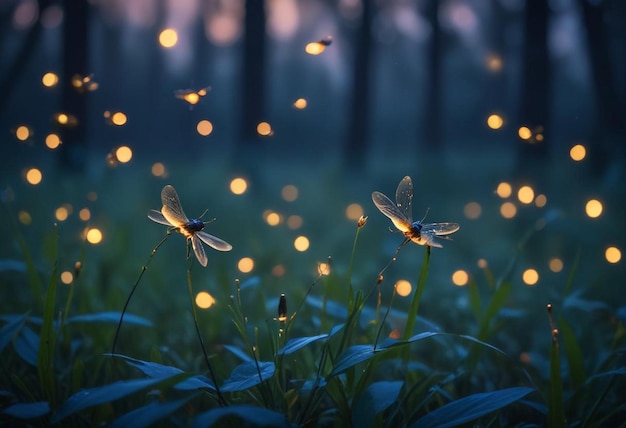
[323,268]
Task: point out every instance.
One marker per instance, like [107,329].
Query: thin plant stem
[382,322]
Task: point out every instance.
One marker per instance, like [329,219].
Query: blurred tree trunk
[357,142]
[535,96]
[609,121]
[431,139]
[253,77]
[75,50]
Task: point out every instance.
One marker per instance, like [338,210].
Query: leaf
[351,357]
[293,345]
[27,410]
[556,413]
[112,317]
[573,354]
[9,330]
[239,353]
[409,326]
[47,338]
[241,416]
[471,408]
[377,397]
[246,375]
[150,413]
[26,345]
[102,394]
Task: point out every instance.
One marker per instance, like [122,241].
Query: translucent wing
[391,210]
[440,229]
[213,241]
[155,215]
[198,249]
[172,211]
[404,196]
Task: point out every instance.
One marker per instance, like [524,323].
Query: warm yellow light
[61,213]
[530,277]
[245,265]
[354,212]
[264,128]
[49,79]
[578,152]
[460,278]
[526,194]
[314,48]
[278,271]
[24,217]
[613,254]
[22,133]
[124,154]
[158,169]
[289,193]
[94,236]
[192,98]
[472,210]
[524,133]
[118,118]
[300,103]
[508,210]
[204,300]
[323,268]
[84,214]
[494,63]
[555,264]
[272,218]
[53,141]
[495,121]
[403,287]
[67,277]
[168,38]
[204,128]
[294,222]
[34,176]
[301,243]
[238,186]
[482,263]
[504,190]
[63,119]
[593,208]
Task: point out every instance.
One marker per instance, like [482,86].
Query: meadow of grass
[351,350]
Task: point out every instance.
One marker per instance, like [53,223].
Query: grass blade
[421,285]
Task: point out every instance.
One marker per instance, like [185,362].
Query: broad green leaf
[246,375]
[150,413]
[295,344]
[351,357]
[26,345]
[9,330]
[111,317]
[239,353]
[474,299]
[376,398]
[249,416]
[103,394]
[470,408]
[573,354]
[47,338]
[27,410]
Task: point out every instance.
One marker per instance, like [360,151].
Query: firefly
[400,215]
[282,308]
[172,215]
[190,95]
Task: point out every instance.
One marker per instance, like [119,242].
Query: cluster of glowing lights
[593,208]
[323,268]
[168,38]
[526,134]
[472,210]
[530,277]
[289,193]
[53,141]
[613,255]
[354,212]
[93,235]
[403,287]
[238,186]
[33,176]
[84,83]
[65,119]
[525,195]
[24,217]
[67,277]
[158,169]
[300,103]
[245,265]
[50,80]
[117,118]
[272,218]
[555,264]
[204,128]
[460,278]
[495,121]
[301,243]
[316,48]
[23,133]
[192,96]
[578,152]
[264,129]
[204,300]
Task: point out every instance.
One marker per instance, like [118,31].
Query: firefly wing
[391,210]
[172,211]
[156,216]
[198,249]
[440,229]
[404,196]
[213,241]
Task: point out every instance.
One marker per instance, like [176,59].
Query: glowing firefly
[84,83]
[190,95]
[172,215]
[400,215]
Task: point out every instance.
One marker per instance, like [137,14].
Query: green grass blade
[474,299]
[573,354]
[421,285]
[556,415]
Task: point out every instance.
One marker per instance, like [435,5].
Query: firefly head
[194,225]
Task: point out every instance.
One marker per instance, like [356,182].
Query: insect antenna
[425,215]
